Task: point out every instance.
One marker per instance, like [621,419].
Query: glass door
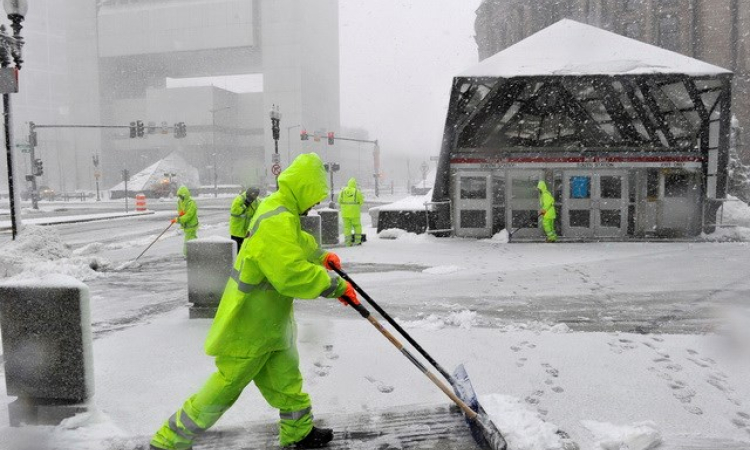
[577,204]
[522,206]
[611,204]
[473,205]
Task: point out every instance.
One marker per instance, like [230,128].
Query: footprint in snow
[382,387]
[329,353]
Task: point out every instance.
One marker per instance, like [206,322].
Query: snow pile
[403,235]
[501,237]
[639,436]
[523,429]
[442,270]
[39,252]
[736,212]
[459,319]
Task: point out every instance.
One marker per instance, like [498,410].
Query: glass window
[473,218]
[526,218]
[498,191]
[580,218]
[632,5]
[474,188]
[580,187]
[676,185]
[524,189]
[652,184]
[611,186]
[610,218]
[633,30]
[669,32]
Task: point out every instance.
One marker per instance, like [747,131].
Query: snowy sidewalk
[6,224]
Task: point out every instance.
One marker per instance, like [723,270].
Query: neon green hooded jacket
[351,199]
[546,201]
[240,215]
[282,262]
[188,206]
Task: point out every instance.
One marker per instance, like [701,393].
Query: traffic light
[132,130]
[330,138]
[139,128]
[183,130]
[303,135]
[32,134]
[38,169]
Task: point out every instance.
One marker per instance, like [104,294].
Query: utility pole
[97,174]
[275,116]
[36,170]
[289,145]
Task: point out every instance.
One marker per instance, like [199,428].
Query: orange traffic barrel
[140,202]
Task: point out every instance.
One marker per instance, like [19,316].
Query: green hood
[352,183]
[542,186]
[304,182]
[183,191]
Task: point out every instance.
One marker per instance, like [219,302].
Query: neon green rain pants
[190,234]
[352,224]
[279,380]
[549,229]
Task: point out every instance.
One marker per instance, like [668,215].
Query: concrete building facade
[708,30]
[110,62]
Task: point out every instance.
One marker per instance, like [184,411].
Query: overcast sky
[398,58]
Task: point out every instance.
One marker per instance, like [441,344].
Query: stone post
[209,265]
[311,224]
[329,223]
[46,334]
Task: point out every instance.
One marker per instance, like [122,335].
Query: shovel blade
[482,429]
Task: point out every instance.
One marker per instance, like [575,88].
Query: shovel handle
[363,311]
[153,242]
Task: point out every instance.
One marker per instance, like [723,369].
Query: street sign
[8,80]
[25,148]
[275,158]
[276,169]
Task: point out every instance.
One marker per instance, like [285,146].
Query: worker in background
[253,335]
[547,211]
[350,202]
[187,216]
[241,213]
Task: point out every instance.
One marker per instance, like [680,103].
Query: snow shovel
[154,241]
[482,429]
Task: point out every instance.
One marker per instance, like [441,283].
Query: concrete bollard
[46,334]
[209,264]
[311,224]
[329,223]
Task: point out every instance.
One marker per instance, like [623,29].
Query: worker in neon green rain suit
[350,200]
[187,216]
[253,336]
[547,211]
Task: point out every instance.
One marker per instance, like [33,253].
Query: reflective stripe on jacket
[351,200]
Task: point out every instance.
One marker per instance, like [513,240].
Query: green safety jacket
[350,200]
[240,215]
[188,206]
[546,201]
[282,262]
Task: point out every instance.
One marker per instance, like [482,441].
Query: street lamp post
[10,46]
[213,141]
[275,116]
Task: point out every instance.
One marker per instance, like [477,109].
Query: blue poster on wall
[580,187]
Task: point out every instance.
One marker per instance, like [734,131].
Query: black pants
[239,241]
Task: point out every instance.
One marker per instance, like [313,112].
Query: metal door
[577,205]
[523,203]
[473,204]
[611,203]
[595,204]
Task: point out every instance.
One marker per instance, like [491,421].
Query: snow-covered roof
[572,48]
[172,163]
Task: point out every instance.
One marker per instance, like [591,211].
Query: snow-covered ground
[621,345]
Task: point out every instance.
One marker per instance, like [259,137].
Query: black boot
[318,437]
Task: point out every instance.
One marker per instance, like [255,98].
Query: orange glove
[174,220]
[349,293]
[182,213]
[332,261]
